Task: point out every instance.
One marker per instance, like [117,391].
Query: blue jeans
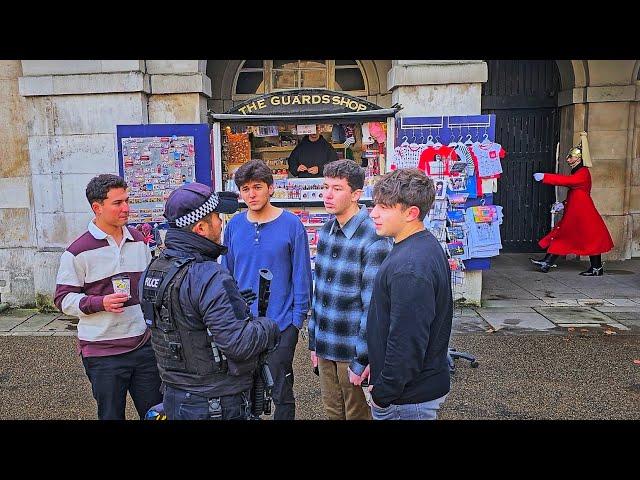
[183,405]
[409,411]
[111,376]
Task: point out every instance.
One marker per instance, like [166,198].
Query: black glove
[274,335]
[249,296]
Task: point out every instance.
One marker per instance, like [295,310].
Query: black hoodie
[311,154]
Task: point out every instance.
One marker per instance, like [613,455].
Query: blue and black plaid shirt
[347,261]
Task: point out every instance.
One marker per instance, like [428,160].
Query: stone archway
[222,74]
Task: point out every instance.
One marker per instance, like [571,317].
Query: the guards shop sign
[313,101]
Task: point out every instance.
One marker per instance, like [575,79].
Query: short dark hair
[348,169]
[407,187]
[98,188]
[253,170]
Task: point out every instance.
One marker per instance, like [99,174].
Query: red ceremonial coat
[581,230]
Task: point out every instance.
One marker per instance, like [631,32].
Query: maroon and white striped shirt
[84,278]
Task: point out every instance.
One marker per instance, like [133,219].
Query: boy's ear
[413,213]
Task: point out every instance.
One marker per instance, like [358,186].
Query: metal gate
[523,96]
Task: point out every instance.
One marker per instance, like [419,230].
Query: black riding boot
[546,263]
[541,261]
[596,269]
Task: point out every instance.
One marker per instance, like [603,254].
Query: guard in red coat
[581,230]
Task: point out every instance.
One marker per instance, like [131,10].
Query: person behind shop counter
[310,156]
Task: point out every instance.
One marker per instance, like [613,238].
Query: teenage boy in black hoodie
[409,321]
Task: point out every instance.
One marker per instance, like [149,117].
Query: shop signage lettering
[339,100]
[315,101]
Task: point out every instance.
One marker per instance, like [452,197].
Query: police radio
[262,378]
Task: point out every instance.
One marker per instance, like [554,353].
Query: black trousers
[184,405]
[113,375]
[281,365]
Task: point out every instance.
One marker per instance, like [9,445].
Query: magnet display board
[156,159]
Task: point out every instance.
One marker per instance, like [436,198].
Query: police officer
[205,339]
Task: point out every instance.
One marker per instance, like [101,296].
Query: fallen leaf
[637,362]
[609,332]
[571,329]
[565,339]
[584,330]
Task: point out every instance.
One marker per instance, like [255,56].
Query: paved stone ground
[550,346]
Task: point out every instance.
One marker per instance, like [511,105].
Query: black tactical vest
[185,352]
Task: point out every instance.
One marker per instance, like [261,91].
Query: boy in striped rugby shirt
[97,282]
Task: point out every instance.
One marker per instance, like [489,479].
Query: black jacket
[409,323]
[209,298]
[311,154]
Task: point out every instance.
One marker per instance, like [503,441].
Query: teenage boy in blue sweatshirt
[409,321]
[266,236]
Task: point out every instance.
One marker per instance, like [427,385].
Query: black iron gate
[523,96]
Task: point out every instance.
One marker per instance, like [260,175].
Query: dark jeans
[183,405]
[113,375]
[281,365]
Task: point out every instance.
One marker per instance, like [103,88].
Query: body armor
[185,351]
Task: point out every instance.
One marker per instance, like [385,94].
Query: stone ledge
[191,83]
[615,93]
[175,66]
[35,68]
[83,84]
[437,74]
[434,62]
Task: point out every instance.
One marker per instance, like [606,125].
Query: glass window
[285,64]
[250,83]
[312,64]
[284,79]
[349,79]
[252,64]
[315,78]
[288,74]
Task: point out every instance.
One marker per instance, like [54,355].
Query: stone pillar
[179,91]
[441,87]
[73,107]
[634,200]
[17,233]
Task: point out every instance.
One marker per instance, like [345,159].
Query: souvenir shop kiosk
[457,152]
[270,126]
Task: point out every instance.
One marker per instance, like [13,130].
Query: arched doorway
[523,94]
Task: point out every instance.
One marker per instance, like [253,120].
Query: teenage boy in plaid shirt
[348,257]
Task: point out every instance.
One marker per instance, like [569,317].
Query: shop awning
[305,106]
[370,116]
